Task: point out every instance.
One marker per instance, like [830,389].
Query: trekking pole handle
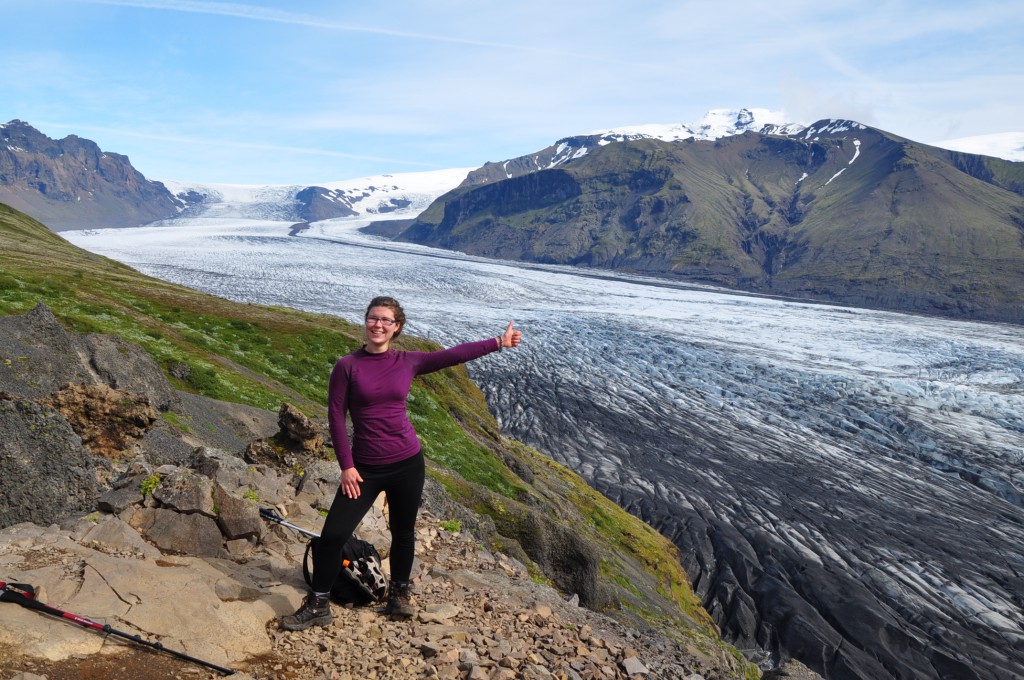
[267,513]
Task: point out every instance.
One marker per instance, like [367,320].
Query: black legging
[402,484]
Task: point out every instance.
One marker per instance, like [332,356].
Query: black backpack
[361,581]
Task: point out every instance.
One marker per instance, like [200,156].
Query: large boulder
[298,430]
[40,356]
[237,518]
[179,533]
[45,357]
[185,491]
[46,472]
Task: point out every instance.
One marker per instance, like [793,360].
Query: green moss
[451,525]
[175,420]
[613,572]
[149,484]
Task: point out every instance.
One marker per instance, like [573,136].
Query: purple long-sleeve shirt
[373,388]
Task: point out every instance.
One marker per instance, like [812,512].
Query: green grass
[177,421]
[450,525]
[448,444]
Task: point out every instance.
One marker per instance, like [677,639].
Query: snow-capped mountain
[715,124]
[72,184]
[718,123]
[374,195]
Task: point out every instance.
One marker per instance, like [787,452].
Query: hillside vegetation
[843,213]
[540,511]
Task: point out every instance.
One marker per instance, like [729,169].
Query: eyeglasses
[387,323]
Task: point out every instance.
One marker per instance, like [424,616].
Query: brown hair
[392,304]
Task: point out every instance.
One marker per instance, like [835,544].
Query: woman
[371,385]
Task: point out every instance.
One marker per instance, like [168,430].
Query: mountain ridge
[34,179]
[911,228]
[72,184]
[839,212]
[73,181]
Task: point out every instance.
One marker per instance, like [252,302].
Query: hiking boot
[399,604]
[315,611]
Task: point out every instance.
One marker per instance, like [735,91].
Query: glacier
[846,486]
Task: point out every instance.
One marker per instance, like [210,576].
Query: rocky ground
[480,616]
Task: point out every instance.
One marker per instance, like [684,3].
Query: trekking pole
[25,595]
[267,513]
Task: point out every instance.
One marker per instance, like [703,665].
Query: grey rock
[223,425]
[187,492]
[179,533]
[180,370]
[238,476]
[47,474]
[163,445]
[324,476]
[219,465]
[236,517]
[633,666]
[116,500]
[438,613]
[46,357]
[112,534]
[127,367]
[133,478]
[40,355]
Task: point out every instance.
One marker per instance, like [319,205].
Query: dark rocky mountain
[72,184]
[839,212]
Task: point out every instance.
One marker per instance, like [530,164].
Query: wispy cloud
[255,13]
[207,142]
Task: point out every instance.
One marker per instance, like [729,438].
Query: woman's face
[380,328]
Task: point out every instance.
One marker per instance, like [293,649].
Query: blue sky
[319,91]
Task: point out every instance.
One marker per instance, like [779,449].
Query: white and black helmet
[367,573]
